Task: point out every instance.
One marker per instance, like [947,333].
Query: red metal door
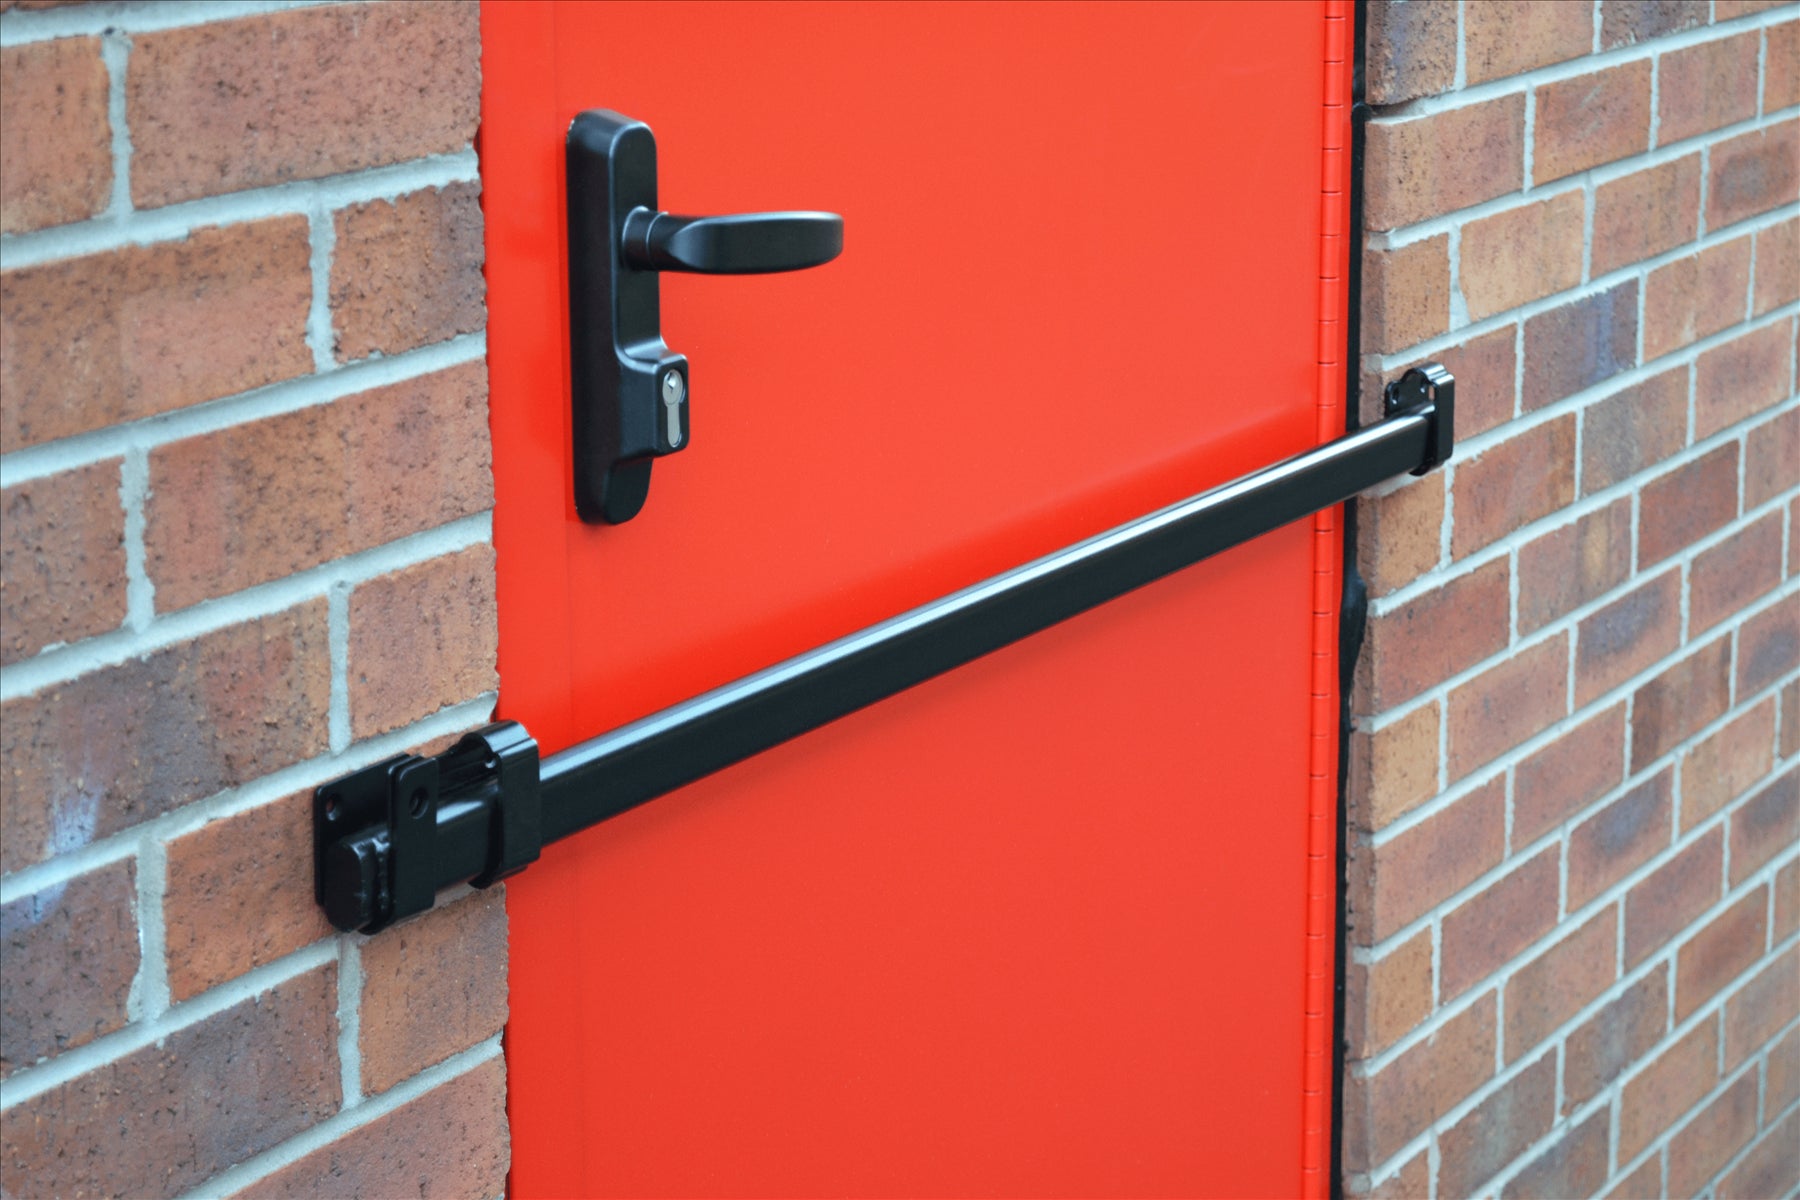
[1058,922]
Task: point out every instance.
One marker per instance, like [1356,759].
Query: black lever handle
[740,244]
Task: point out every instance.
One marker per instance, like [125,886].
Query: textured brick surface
[1591,119]
[1709,1141]
[1743,377]
[1395,768]
[1568,774]
[421,639]
[1525,478]
[1557,984]
[1616,1036]
[1726,578]
[1725,764]
[1646,213]
[1703,87]
[1762,1008]
[1623,22]
[1672,1084]
[1769,645]
[1781,78]
[1448,629]
[1770,1169]
[407,272]
[1389,997]
[1508,703]
[93,341]
[1777,261]
[1499,1128]
[1429,862]
[1770,451]
[1627,636]
[1634,429]
[1384,1111]
[1406,294]
[1574,1165]
[1568,567]
[1579,344]
[236,104]
[1509,39]
[1625,834]
[1411,49]
[1400,533]
[56,141]
[1695,296]
[62,559]
[1724,949]
[1752,173]
[1679,701]
[1522,254]
[1673,896]
[1765,825]
[1686,504]
[1486,931]
[1424,166]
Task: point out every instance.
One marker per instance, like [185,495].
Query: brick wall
[1574,805]
[244,547]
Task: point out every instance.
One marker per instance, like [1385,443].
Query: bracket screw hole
[331,806]
[416,802]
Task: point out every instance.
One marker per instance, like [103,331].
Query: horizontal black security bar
[388,837]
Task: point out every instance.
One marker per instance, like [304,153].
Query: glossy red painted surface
[1038,926]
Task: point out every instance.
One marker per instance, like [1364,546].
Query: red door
[1059,922]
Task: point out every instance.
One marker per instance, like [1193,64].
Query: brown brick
[1558,983]
[266,499]
[1574,1166]
[1522,254]
[1769,645]
[56,141]
[422,639]
[254,865]
[1781,72]
[1510,39]
[1406,294]
[169,1116]
[1632,429]
[1765,825]
[1384,1111]
[1623,22]
[1787,901]
[1742,378]
[1591,119]
[1423,166]
[1762,1008]
[1494,926]
[1641,1184]
[1388,998]
[407,272]
[1620,837]
[1394,770]
[1771,452]
[1506,487]
[1408,875]
[1615,1037]
[1724,10]
[1771,1168]
[1723,766]
[1685,697]
[1727,947]
[1497,1130]
[1569,774]
[1777,260]
[1696,296]
[432,986]
[68,955]
[451,1141]
[1664,1091]
[1784,1072]
[1411,50]
[1701,88]
[1485,381]
[99,754]
[1727,577]
[1790,719]
[133,332]
[1628,635]
[1673,897]
[1579,344]
[1753,173]
[1437,634]
[1713,1138]
[1681,507]
[1507,703]
[62,559]
[1411,1182]
[298,95]
[1646,213]
[1400,534]
[1568,567]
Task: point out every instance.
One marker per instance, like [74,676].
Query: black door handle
[741,244]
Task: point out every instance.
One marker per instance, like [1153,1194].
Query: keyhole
[672,391]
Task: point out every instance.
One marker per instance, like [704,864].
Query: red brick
[422,639]
[1579,344]
[1497,1130]
[1753,173]
[1437,634]
[1522,254]
[1769,645]
[1485,381]
[1411,50]
[1726,578]
[1423,166]
[1682,699]
[1701,88]
[1411,1182]
[1400,533]
[1574,1166]
[1510,39]
[1491,928]
[1762,1008]
[1790,719]
[451,1141]
[1724,10]
[1742,378]
[1508,486]
[1723,766]
[1781,71]
[1568,567]
[1777,259]
[62,559]
[69,953]
[1569,774]
[1727,947]
[254,865]
[1696,296]
[1619,838]
[56,141]
[1771,451]
[261,100]
[1627,636]
[1388,998]
[1615,1037]
[1395,769]
[1641,1184]
[1558,983]
[1591,119]
[1673,897]
[1508,703]
[1784,1072]
[407,272]
[1646,213]
[1771,1168]
[1408,875]
[173,1114]
[1384,1111]
[1662,1094]
[1713,1138]
[1681,507]
[1787,901]
[114,337]
[259,501]
[1765,825]
[1634,428]
[432,986]
[1623,22]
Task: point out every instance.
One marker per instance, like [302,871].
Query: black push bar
[386,838]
